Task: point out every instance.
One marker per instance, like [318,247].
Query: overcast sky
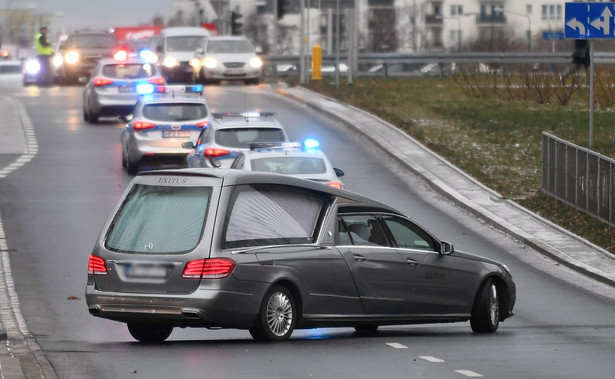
[95,14]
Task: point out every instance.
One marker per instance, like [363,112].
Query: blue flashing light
[197,88]
[311,143]
[148,56]
[145,88]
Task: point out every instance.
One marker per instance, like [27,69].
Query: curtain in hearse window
[271,215]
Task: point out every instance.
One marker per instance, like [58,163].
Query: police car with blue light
[111,90]
[303,160]
[163,119]
[229,135]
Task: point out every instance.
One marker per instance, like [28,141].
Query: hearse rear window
[159,220]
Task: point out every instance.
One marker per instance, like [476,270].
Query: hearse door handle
[412,262]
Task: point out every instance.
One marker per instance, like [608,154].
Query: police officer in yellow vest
[44,53]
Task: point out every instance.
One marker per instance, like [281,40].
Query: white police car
[303,160]
[229,134]
[163,119]
[111,90]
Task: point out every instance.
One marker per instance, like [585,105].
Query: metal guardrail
[579,177]
[365,60]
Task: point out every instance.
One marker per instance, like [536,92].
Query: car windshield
[159,220]
[184,43]
[240,137]
[175,111]
[229,47]
[290,165]
[93,41]
[129,71]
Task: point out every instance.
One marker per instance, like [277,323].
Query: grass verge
[496,141]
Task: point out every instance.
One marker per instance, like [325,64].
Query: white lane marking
[396,345]
[29,134]
[469,374]
[431,359]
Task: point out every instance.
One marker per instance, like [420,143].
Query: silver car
[160,124]
[112,88]
[269,253]
[302,160]
[230,58]
[229,134]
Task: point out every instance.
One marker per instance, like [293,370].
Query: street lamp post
[529,24]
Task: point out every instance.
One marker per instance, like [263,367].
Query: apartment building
[407,26]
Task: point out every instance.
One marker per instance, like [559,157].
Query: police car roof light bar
[220,115]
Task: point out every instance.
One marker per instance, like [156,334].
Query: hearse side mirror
[446,248]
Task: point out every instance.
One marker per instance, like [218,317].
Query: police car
[229,135]
[163,119]
[303,160]
[112,89]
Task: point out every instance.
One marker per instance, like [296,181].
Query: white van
[179,51]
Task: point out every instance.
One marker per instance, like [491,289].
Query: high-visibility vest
[40,49]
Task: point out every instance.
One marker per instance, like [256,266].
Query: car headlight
[256,62]
[210,62]
[57,60]
[170,62]
[71,57]
[195,63]
[32,66]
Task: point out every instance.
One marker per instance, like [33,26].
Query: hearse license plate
[146,271]
[175,133]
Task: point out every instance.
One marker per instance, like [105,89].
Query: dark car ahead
[81,54]
[218,248]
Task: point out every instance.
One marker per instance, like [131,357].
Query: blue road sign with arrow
[589,20]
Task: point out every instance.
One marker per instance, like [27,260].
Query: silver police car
[163,119]
[112,88]
[229,134]
[300,159]
[270,253]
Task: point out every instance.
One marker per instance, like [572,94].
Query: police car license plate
[126,89]
[175,89]
[146,271]
[234,71]
[175,133]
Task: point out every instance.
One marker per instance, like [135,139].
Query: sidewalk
[505,215]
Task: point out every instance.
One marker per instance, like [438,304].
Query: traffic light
[235,24]
[580,56]
[282,8]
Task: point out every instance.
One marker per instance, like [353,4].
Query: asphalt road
[53,207]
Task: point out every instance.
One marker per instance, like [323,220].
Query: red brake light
[142,125]
[202,124]
[157,80]
[215,268]
[100,82]
[335,184]
[211,152]
[96,266]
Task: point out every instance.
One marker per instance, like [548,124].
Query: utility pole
[302,65]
